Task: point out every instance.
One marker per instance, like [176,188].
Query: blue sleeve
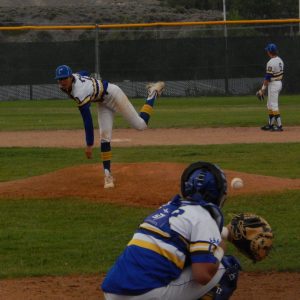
[88,123]
[204,258]
[268,76]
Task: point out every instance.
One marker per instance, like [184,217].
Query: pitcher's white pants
[116,101]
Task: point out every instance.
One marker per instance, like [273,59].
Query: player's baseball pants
[274,89]
[183,288]
[116,101]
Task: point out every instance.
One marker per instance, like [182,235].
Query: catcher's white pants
[183,288]
[274,88]
[116,101]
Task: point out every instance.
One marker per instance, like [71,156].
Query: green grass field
[72,236]
[168,112]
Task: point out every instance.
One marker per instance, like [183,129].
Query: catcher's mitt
[251,235]
[260,95]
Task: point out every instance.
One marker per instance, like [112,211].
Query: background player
[177,251]
[110,99]
[273,81]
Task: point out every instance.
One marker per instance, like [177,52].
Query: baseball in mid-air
[237,183]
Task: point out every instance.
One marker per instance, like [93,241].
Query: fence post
[97,53]
[226,48]
[226,67]
[30,92]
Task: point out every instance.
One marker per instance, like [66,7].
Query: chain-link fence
[193,60]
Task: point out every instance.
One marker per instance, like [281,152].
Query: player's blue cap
[271,48]
[63,71]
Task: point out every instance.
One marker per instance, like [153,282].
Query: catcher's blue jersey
[177,234]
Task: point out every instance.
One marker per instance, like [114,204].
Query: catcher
[177,251]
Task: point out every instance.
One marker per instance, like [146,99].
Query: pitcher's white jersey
[86,89]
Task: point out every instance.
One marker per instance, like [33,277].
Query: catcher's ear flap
[188,189]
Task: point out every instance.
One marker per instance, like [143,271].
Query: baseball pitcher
[109,99]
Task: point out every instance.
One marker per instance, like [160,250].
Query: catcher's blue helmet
[205,179]
[63,71]
[272,48]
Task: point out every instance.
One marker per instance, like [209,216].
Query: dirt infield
[251,286]
[164,176]
[131,137]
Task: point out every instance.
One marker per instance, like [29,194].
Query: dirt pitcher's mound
[146,184]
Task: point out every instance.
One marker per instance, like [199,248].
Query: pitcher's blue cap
[63,71]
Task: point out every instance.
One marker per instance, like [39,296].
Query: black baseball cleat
[277,128]
[267,127]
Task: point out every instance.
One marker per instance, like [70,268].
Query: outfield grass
[60,237]
[169,112]
[260,159]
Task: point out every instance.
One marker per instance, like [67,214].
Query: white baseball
[237,183]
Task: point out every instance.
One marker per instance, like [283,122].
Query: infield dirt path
[131,137]
[162,176]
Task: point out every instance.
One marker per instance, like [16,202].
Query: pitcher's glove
[260,95]
[251,235]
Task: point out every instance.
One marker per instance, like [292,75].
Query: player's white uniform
[274,73]
[156,262]
[110,99]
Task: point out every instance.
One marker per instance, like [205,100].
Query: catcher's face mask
[205,179]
